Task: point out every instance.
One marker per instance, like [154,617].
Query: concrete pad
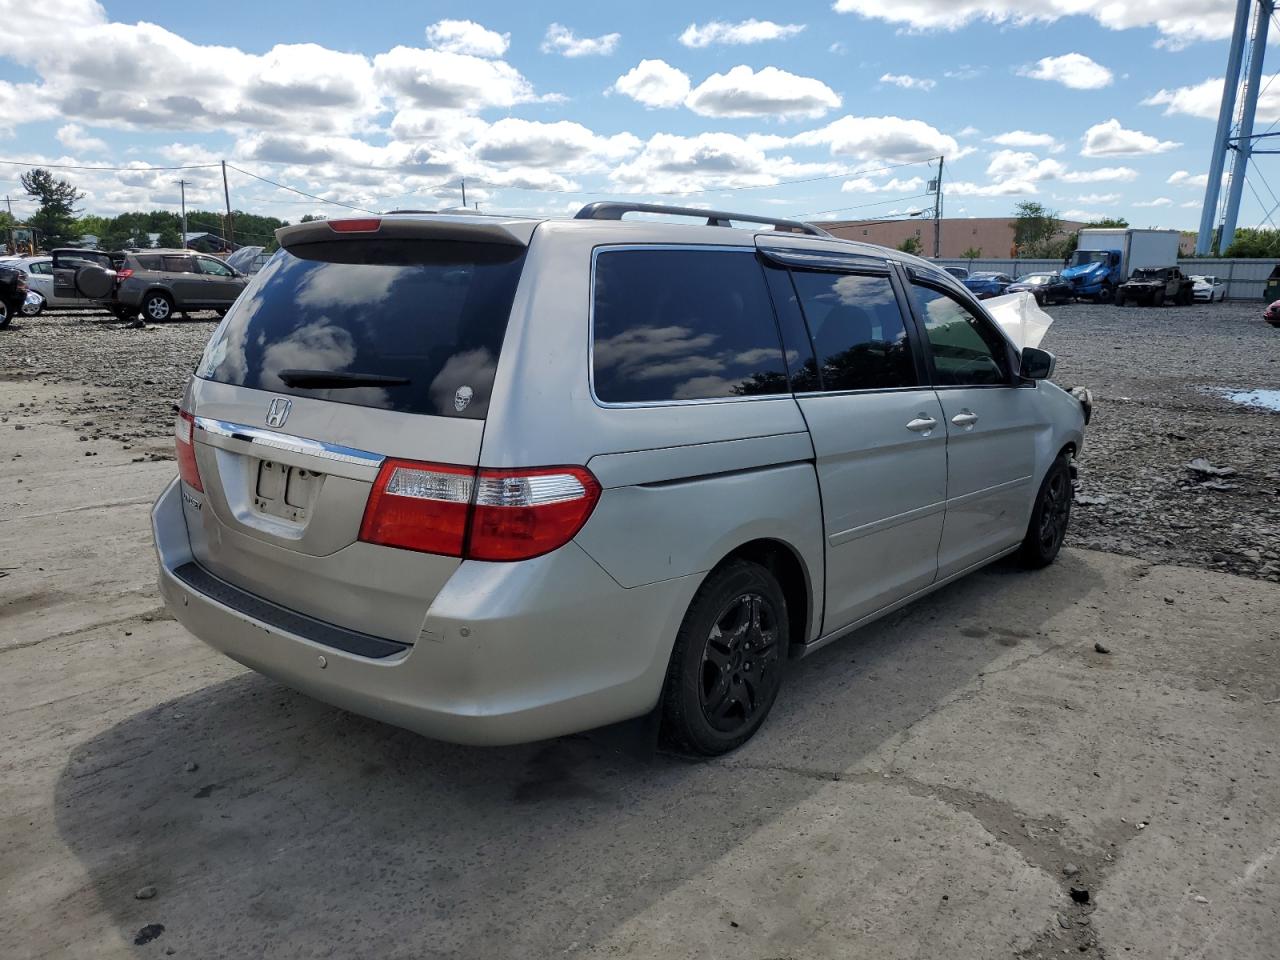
[917,793]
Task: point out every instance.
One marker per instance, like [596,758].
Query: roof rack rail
[613,210]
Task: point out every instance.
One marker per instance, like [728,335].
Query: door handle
[965,418]
[922,424]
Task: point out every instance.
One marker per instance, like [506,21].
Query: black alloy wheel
[1050,517]
[728,660]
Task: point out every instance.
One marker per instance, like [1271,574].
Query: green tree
[55,220]
[1108,222]
[170,237]
[973,253]
[1254,242]
[911,245]
[1037,231]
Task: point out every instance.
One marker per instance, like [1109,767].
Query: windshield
[1081,257]
[418,324]
[1148,275]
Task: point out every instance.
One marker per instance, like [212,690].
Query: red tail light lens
[183,428]
[498,515]
[419,506]
[356,225]
[124,273]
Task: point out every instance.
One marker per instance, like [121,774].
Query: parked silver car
[41,282]
[501,479]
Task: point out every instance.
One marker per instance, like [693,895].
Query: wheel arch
[784,561]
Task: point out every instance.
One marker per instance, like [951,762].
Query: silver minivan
[501,479]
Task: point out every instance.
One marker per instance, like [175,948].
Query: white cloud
[74,138]
[1025,138]
[560,39]
[839,48]
[1204,99]
[1015,165]
[1101,175]
[1184,178]
[1176,19]
[1103,198]
[1157,202]
[893,185]
[672,164]
[562,145]
[745,31]
[908,82]
[970,132]
[1086,216]
[769,92]
[1073,70]
[1004,188]
[655,83]
[1190,205]
[1110,139]
[880,138]
[439,79]
[468,37]
[964,72]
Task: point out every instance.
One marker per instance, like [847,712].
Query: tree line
[60,221]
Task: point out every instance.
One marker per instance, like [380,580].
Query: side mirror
[1037,364]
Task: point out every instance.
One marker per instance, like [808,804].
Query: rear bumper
[509,653]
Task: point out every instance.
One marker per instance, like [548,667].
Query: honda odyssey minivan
[500,479]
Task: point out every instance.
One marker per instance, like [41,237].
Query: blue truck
[1105,257]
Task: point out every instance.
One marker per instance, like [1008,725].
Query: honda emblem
[278,411]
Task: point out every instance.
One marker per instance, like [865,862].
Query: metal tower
[1242,142]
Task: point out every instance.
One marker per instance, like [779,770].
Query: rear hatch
[360,343]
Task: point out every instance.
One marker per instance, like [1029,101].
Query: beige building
[993,236]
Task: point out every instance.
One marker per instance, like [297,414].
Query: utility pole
[1248,111]
[464,193]
[182,186]
[13,244]
[937,211]
[1226,112]
[226,194]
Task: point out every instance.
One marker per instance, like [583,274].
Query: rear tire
[157,307]
[5,314]
[1049,518]
[727,664]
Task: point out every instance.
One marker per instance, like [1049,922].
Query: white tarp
[1020,317]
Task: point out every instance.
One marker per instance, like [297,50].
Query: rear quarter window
[432,313]
[682,324]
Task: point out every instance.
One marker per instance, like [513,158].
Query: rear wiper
[337,379]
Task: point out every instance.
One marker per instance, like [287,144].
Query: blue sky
[1107,110]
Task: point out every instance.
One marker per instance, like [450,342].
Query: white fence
[1245,279]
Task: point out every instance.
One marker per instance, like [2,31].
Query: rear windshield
[429,312]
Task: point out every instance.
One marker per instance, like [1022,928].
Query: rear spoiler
[513,231]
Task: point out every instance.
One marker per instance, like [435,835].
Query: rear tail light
[478,515]
[356,225]
[124,273]
[183,428]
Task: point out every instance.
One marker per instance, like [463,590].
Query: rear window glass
[683,324]
[430,313]
[151,262]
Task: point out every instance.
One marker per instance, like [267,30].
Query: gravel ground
[1157,377]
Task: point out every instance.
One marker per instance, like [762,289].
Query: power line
[862,206]
[301,193]
[73,166]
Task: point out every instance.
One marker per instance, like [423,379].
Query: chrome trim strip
[283,441]
[887,523]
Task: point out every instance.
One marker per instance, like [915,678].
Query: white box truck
[1105,257]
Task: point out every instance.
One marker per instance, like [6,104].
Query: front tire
[5,314]
[1106,294]
[1049,518]
[728,660]
[157,307]
[30,310]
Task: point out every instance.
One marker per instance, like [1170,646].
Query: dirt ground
[933,786]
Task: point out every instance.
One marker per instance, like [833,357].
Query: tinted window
[40,267]
[966,350]
[147,262]
[795,337]
[433,312]
[178,264]
[214,267]
[683,324]
[858,332]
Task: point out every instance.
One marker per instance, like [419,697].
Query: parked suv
[160,283]
[501,479]
[13,291]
